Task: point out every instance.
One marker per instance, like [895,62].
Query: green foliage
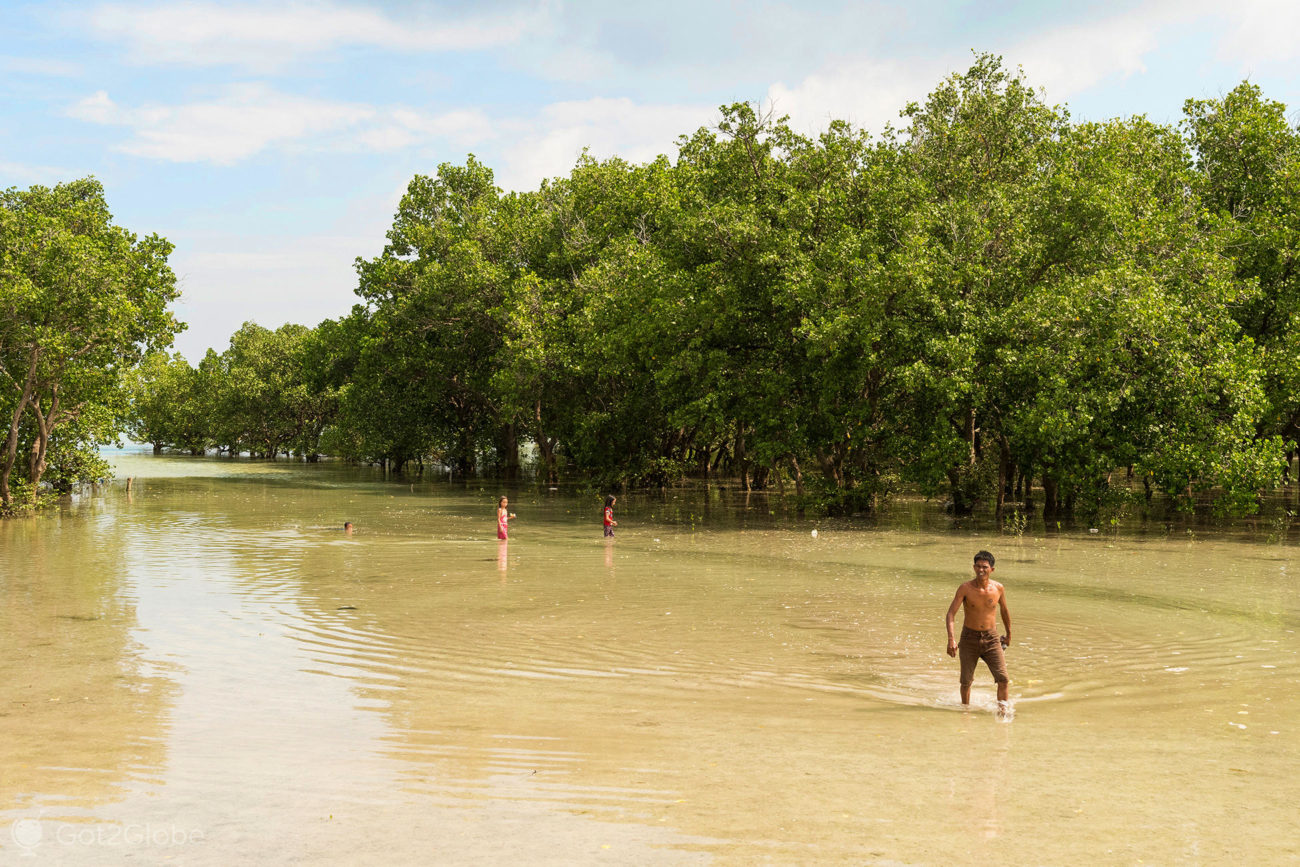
[433,334]
[170,405]
[82,301]
[270,392]
[1248,177]
[73,458]
[995,293]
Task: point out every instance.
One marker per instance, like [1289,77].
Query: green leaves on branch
[82,301]
[993,299]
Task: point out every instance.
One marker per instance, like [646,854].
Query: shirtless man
[980,598]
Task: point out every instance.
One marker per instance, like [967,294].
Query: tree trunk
[1051,505]
[11,443]
[1004,476]
[970,439]
[961,478]
[718,459]
[832,467]
[547,446]
[465,453]
[40,446]
[509,451]
[702,463]
[742,463]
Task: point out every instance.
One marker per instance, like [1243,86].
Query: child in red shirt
[610,523]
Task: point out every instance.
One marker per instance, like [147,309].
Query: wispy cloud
[281,278]
[247,119]
[550,143]
[251,119]
[40,66]
[1072,58]
[14,174]
[1067,58]
[867,93]
[1064,60]
[401,128]
[267,35]
[1261,31]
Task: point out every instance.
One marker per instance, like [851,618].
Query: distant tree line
[994,304]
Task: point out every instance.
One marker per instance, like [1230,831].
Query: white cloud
[266,35]
[22,174]
[404,128]
[867,93]
[97,108]
[1064,61]
[247,119]
[1262,31]
[272,280]
[250,119]
[1074,58]
[549,144]
[40,66]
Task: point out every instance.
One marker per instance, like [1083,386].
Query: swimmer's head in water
[347,525]
[986,557]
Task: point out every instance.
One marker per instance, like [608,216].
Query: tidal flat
[207,670]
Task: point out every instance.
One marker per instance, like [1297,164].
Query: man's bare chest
[981,600]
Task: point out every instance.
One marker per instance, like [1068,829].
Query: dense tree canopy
[993,299]
[81,302]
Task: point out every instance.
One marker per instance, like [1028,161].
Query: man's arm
[952,614]
[1006,617]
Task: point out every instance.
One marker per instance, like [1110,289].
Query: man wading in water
[980,598]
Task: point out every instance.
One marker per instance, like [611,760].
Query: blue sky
[272,141]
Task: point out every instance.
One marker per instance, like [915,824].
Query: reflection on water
[713,687]
[84,709]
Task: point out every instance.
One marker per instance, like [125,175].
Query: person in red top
[503,516]
[610,523]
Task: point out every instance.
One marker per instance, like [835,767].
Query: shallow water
[207,670]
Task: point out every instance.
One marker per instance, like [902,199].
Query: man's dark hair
[986,557]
